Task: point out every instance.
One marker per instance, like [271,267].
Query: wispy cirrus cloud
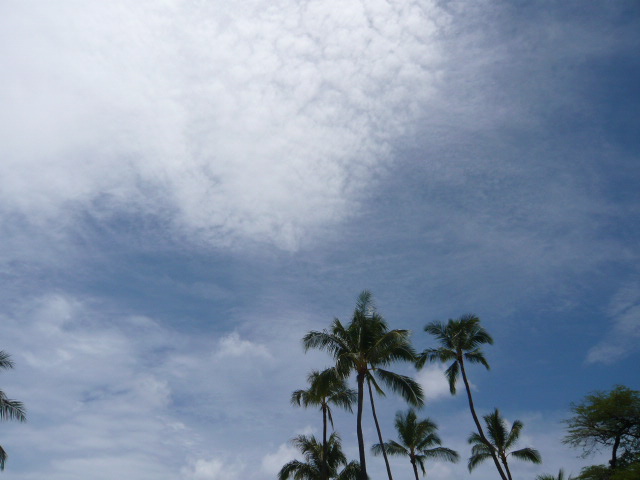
[622,339]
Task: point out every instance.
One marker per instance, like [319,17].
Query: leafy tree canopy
[608,420]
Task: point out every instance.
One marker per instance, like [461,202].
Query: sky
[188,187]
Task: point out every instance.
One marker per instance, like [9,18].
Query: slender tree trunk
[506,466]
[477,422]
[415,467]
[614,454]
[325,467]
[363,461]
[375,419]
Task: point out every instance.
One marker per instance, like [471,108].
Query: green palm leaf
[528,455]
[405,386]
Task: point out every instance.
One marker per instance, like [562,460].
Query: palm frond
[344,399]
[496,429]
[431,355]
[514,434]
[11,409]
[476,356]
[452,373]
[364,303]
[477,459]
[300,398]
[5,360]
[392,346]
[441,453]
[324,341]
[350,472]
[330,416]
[548,476]
[371,379]
[391,447]
[437,329]
[527,454]
[407,387]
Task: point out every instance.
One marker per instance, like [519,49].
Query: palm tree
[551,477]
[418,440]
[500,444]
[9,409]
[363,347]
[312,469]
[326,388]
[460,341]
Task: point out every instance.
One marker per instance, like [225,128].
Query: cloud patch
[434,383]
[262,123]
[622,340]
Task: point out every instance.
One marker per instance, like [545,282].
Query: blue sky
[187,188]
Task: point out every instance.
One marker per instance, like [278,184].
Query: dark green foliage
[500,443]
[312,467]
[325,388]
[365,347]
[607,420]
[460,342]
[418,441]
[560,476]
[9,409]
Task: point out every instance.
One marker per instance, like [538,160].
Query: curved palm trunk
[415,467]
[363,461]
[375,419]
[506,467]
[477,422]
[325,467]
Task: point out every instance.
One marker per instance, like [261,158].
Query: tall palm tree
[312,468]
[364,346]
[9,409]
[460,341]
[418,441]
[325,388]
[500,444]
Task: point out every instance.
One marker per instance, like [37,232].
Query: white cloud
[434,383]
[233,346]
[624,312]
[212,469]
[261,123]
[273,462]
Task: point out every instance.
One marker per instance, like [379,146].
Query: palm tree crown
[460,340]
[312,467]
[500,442]
[326,388]
[364,346]
[418,441]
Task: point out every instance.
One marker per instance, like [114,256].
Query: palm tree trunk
[325,467]
[477,422]
[506,467]
[363,461]
[375,419]
[415,468]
